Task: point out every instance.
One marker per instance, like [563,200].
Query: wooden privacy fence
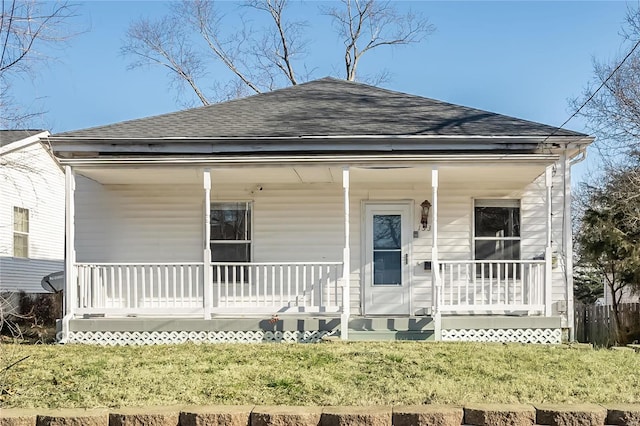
[595,324]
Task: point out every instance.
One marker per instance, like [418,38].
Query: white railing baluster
[143,286]
[281,285]
[135,286]
[312,280]
[304,284]
[257,285]
[151,285]
[521,267]
[265,274]
[251,283]
[297,284]
[131,300]
[289,283]
[327,300]
[273,285]
[226,285]
[218,284]
[499,280]
[190,282]
[241,283]
[490,283]
[199,283]
[174,284]
[455,276]
[120,287]
[234,283]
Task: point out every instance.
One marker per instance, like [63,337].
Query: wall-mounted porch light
[424,219]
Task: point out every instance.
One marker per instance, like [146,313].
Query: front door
[386,268]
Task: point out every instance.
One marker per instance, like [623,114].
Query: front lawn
[314,374]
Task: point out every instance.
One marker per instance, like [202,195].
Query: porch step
[389,335]
[391,328]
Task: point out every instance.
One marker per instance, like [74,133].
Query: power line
[596,91]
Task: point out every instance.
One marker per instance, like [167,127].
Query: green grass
[315,374]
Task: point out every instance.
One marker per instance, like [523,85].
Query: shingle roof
[326,107]
[9,136]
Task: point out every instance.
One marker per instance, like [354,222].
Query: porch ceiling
[506,176]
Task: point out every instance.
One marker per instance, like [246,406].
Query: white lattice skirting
[117,338]
[507,335]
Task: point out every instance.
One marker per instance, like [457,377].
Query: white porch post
[346,261]
[208,288]
[567,242]
[548,253]
[435,267]
[70,281]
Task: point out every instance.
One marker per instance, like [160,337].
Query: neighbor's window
[20,232]
[231,232]
[497,230]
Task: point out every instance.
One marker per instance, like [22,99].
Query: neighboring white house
[330,207]
[31,211]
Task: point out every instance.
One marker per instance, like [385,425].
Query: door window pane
[387,231]
[387,267]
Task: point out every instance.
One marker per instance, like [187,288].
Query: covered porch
[311,249]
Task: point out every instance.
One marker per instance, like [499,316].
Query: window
[497,231]
[20,232]
[231,232]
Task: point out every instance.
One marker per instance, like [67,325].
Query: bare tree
[167,44]
[368,24]
[26,26]
[613,114]
[260,59]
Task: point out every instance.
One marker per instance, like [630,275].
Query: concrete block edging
[410,415]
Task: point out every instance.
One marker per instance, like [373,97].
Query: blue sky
[523,59]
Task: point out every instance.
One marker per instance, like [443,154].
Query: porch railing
[178,289]
[306,286]
[495,285]
[140,288]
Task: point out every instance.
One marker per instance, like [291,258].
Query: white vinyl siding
[138,223]
[31,180]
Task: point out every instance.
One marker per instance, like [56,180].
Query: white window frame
[23,233]
[248,207]
[505,202]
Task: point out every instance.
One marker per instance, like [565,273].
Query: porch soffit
[478,176]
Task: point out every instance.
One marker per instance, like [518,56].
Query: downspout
[346,260]
[567,238]
[435,266]
[582,155]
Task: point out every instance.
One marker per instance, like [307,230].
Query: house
[326,208]
[31,211]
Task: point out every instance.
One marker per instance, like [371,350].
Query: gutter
[353,160]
